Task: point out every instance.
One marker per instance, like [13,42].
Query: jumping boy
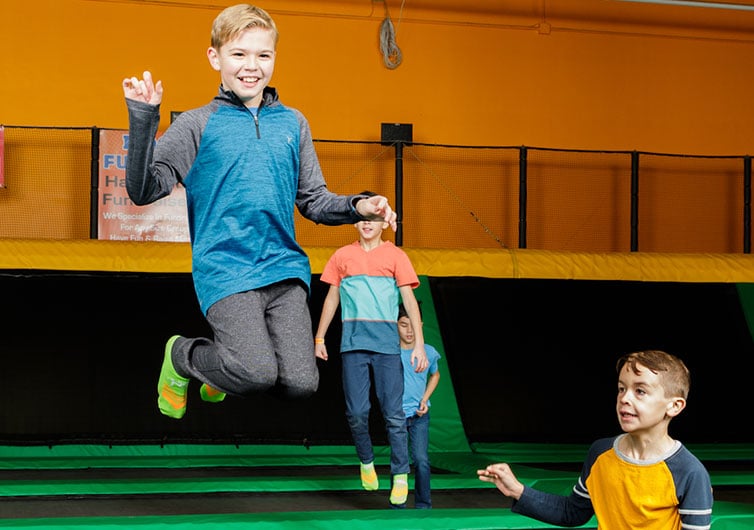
[640,479]
[366,279]
[246,161]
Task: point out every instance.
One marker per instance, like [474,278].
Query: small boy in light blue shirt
[417,388]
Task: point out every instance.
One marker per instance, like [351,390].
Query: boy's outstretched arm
[560,510]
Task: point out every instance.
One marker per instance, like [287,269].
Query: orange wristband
[318,340]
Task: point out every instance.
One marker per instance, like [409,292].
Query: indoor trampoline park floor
[139,490]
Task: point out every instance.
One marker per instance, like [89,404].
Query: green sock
[210,394]
[171,387]
[399,493]
[369,479]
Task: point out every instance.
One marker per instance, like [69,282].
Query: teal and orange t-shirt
[369,283]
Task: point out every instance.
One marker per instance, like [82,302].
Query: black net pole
[634,201]
[747,204]
[399,192]
[522,186]
[94,192]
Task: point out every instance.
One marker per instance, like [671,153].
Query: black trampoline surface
[52,504]
[228,503]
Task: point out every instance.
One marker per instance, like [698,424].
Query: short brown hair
[675,376]
[402,310]
[235,19]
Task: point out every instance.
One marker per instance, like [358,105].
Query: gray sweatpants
[262,339]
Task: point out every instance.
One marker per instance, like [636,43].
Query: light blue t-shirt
[414,384]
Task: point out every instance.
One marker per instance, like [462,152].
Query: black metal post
[634,201]
[747,204]
[522,189]
[94,191]
[399,192]
[398,135]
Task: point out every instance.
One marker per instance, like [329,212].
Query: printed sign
[118,216]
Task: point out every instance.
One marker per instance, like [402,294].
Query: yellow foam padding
[139,256]
[93,255]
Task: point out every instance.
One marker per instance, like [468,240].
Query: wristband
[318,340]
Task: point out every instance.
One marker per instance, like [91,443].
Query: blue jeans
[388,385]
[418,436]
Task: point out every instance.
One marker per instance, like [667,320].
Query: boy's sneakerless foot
[171,387]
[210,394]
[369,479]
[399,493]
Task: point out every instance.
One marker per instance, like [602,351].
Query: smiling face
[642,403]
[246,63]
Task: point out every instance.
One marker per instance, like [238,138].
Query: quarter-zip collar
[269,97]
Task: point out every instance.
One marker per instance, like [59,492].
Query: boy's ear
[214,61]
[675,406]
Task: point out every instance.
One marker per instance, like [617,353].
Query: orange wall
[567,74]
[554,73]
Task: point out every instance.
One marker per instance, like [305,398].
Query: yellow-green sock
[399,493]
[210,394]
[171,387]
[369,479]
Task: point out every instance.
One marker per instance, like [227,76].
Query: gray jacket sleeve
[146,181]
[314,200]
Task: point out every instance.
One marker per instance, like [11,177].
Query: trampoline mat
[72,493]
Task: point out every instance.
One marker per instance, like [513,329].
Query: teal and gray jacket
[243,175]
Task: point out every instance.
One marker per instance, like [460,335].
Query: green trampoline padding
[218,484]
[330,520]
[727,516]
[458,469]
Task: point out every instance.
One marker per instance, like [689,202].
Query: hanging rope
[391,53]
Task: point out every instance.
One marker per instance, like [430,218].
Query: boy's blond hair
[674,375]
[235,19]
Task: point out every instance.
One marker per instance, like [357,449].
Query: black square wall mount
[397,132]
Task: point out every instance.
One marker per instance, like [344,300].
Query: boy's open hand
[501,476]
[377,209]
[144,90]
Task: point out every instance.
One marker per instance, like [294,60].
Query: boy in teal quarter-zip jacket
[246,161]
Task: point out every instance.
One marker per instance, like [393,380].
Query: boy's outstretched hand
[377,209]
[144,90]
[501,476]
